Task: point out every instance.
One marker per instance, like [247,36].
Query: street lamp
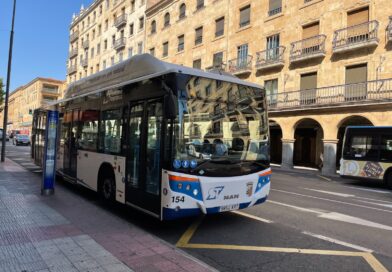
[7,90]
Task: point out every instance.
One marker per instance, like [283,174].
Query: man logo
[214,192]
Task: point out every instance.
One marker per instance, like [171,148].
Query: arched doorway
[275,142]
[308,146]
[354,120]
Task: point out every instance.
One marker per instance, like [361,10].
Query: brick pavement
[66,232]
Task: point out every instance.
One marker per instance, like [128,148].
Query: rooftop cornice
[155,8]
[85,12]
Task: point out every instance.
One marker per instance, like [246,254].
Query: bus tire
[388,178]
[107,185]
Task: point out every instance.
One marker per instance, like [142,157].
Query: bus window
[363,147]
[111,131]
[135,124]
[386,148]
[89,133]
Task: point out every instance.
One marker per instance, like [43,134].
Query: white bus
[125,133]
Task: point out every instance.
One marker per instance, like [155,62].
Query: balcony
[310,48]
[49,90]
[119,44]
[85,44]
[240,66]
[389,30]
[370,92]
[73,53]
[74,36]
[217,67]
[270,58]
[84,62]
[120,21]
[355,37]
[72,69]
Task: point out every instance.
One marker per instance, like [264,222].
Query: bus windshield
[221,129]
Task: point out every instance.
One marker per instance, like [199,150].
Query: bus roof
[368,127]
[138,68]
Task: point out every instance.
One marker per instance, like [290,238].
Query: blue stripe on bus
[170,214]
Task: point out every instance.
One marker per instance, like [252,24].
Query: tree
[2,94]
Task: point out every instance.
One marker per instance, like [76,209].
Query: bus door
[69,131]
[144,155]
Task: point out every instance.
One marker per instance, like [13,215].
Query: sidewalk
[65,232]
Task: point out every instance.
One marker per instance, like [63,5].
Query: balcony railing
[358,36]
[85,44]
[120,21]
[310,48]
[240,66]
[389,30]
[119,43]
[50,90]
[73,53]
[84,62]
[74,36]
[72,69]
[216,67]
[270,58]
[348,94]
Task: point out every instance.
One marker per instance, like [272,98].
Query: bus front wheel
[108,188]
[388,179]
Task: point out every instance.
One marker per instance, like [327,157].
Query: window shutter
[356,74]
[244,16]
[309,81]
[220,24]
[358,17]
[275,4]
[311,30]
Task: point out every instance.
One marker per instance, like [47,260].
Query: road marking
[373,262]
[327,179]
[335,241]
[370,190]
[377,204]
[330,193]
[253,217]
[331,200]
[186,237]
[337,216]
[372,199]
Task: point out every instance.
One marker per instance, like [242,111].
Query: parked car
[21,139]
[7,138]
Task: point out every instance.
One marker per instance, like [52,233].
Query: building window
[217,60]
[309,31]
[220,27]
[113,40]
[165,52]
[271,87]
[93,34]
[245,16]
[197,64]
[141,22]
[242,55]
[208,90]
[131,29]
[153,27]
[99,30]
[152,51]
[356,82]
[273,43]
[275,7]
[130,52]
[198,35]
[180,43]
[104,64]
[112,60]
[106,25]
[166,21]
[98,49]
[100,10]
[107,3]
[105,44]
[199,4]
[132,5]
[140,48]
[357,17]
[97,68]
[308,87]
[92,52]
[120,56]
[182,11]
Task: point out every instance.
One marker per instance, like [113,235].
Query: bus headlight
[195,192]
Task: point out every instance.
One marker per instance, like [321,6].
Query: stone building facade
[325,64]
[25,99]
[103,34]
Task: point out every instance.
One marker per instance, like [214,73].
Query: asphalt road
[309,223]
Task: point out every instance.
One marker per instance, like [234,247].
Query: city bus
[125,133]
[367,153]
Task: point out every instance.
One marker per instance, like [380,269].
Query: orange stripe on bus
[177,178]
[266,173]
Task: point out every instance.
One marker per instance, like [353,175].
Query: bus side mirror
[170,104]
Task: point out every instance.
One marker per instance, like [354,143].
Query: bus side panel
[88,166]
[364,169]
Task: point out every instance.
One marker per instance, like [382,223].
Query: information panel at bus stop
[49,165]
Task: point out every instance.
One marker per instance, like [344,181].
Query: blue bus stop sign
[49,165]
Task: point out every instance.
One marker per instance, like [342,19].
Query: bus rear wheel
[108,189]
[388,179]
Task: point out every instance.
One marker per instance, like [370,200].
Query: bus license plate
[229,207]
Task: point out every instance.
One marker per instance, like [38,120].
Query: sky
[41,38]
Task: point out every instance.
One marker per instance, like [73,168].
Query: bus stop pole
[7,90]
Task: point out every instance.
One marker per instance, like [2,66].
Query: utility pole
[7,90]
